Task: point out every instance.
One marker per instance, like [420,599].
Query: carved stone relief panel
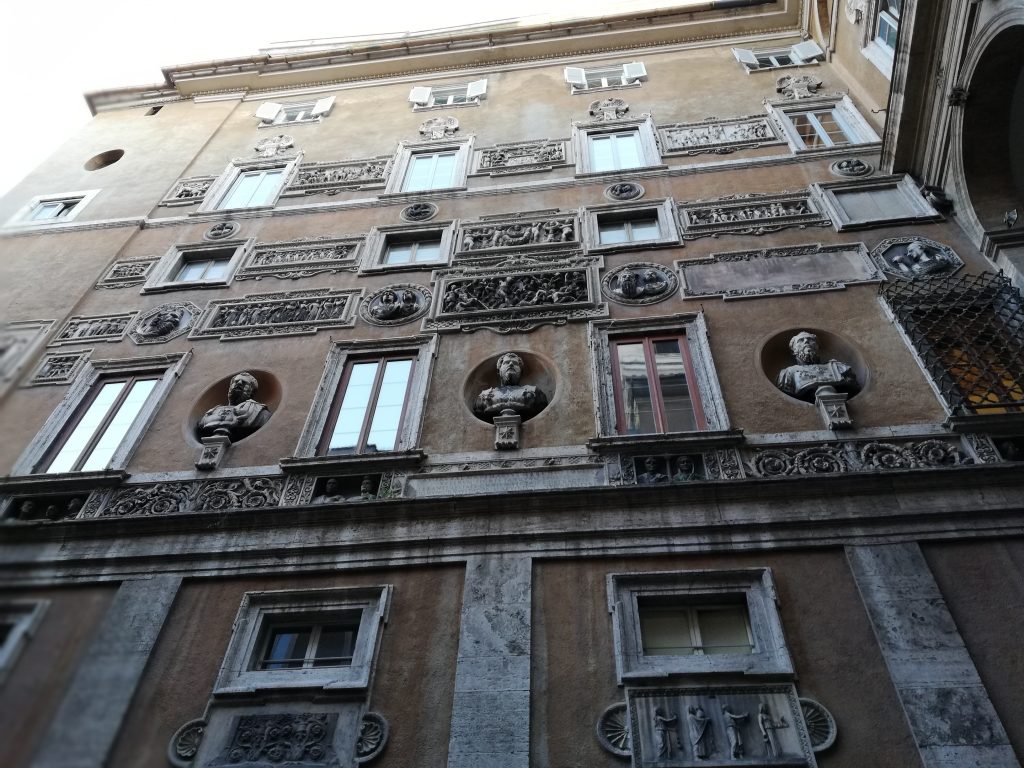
[330,178]
[523,232]
[276,314]
[126,274]
[171,498]
[608,109]
[274,145]
[750,214]
[395,304]
[794,87]
[522,157]
[718,136]
[913,257]
[718,726]
[292,739]
[166,322]
[439,128]
[661,469]
[190,191]
[872,456]
[294,259]
[774,271]
[222,230]
[851,167]
[19,340]
[639,283]
[59,367]
[419,212]
[624,190]
[83,330]
[519,294]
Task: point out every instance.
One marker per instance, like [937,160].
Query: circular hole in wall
[776,356]
[103,159]
[268,392]
[537,374]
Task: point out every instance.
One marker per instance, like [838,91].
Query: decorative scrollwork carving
[439,127]
[795,87]
[273,145]
[373,737]
[184,744]
[640,283]
[613,730]
[285,738]
[821,726]
[833,458]
[204,496]
[608,109]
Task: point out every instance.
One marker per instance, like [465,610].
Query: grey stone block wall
[491,709]
[946,705]
[94,707]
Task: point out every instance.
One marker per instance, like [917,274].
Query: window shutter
[322,107]
[268,111]
[420,95]
[808,51]
[745,57]
[576,76]
[634,71]
[477,89]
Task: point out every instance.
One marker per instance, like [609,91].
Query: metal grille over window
[969,332]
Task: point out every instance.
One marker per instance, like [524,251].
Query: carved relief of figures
[913,257]
[720,137]
[164,323]
[518,157]
[272,145]
[511,291]
[810,374]
[60,368]
[654,470]
[331,178]
[768,727]
[47,508]
[333,493]
[439,127]
[797,86]
[749,214]
[276,314]
[624,190]
[105,327]
[608,109]
[732,731]
[241,416]
[519,233]
[124,274]
[665,731]
[701,738]
[419,212]
[188,191]
[639,283]
[850,167]
[395,305]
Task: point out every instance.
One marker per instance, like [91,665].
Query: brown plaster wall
[983,585]
[412,685]
[827,633]
[869,87]
[35,688]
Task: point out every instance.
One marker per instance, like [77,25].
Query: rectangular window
[367,413]
[800,54]
[615,76]
[43,210]
[211,265]
[53,209]
[653,378]
[197,265]
[818,128]
[412,252]
[306,645]
[888,23]
[430,171]
[271,113]
[461,94]
[18,622]
[615,151]
[89,441]
[627,231]
[681,630]
[253,188]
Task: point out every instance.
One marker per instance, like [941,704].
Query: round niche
[268,393]
[776,356]
[103,159]
[537,375]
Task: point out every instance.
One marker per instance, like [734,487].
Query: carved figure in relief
[392,306]
[241,416]
[365,490]
[685,470]
[804,379]
[768,727]
[192,190]
[271,145]
[165,321]
[526,400]
[664,730]
[700,732]
[651,475]
[331,493]
[732,731]
[916,261]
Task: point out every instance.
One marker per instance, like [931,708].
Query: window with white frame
[370,399]
[430,165]
[620,145]
[616,151]
[271,113]
[456,95]
[624,225]
[888,23]
[53,209]
[430,170]
[821,124]
[253,188]
[407,248]
[800,54]
[399,251]
[595,78]
[103,416]
[697,622]
[199,265]
[324,638]
[250,183]
[18,622]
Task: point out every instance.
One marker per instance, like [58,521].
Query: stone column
[95,704]
[946,705]
[491,708]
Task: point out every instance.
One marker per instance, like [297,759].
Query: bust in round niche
[241,416]
[510,397]
[810,374]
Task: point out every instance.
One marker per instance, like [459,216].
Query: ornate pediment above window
[522,157]
[293,259]
[330,178]
[718,136]
[750,214]
[517,295]
[494,237]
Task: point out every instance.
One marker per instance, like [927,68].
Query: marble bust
[241,416]
[810,374]
[524,400]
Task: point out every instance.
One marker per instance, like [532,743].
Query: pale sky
[51,53]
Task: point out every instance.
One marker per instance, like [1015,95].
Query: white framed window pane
[387,414]
[723,629]
[831,126]
[354,404]
[637,404]
[428,250]
[266,190]
[666,632]
[601,154]
[191,270]
[119,425]
[87,426]
[420,170]
[217,269]
[627,150]
[646,229]
[48,211]
[807,129]
[613,232]
[444,171]
[675,393]
[241,191]
[399,253]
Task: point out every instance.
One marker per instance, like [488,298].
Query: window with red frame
[654,386]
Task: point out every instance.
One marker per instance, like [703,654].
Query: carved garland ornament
[196,496]
[833,458]
[639,283]
[395,304]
